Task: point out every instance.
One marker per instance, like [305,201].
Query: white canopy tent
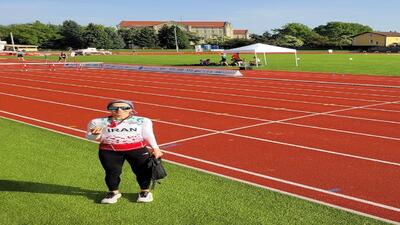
[262,48]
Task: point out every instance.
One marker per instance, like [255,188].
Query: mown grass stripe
[49,178]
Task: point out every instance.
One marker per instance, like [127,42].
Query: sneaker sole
[112,202]
[145,201]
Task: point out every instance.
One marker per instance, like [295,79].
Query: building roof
[238,32]
[389,34]
[386,34]
[213,24]
[139,23]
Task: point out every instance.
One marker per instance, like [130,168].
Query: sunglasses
[115,108]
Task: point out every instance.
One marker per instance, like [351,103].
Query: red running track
[335,143]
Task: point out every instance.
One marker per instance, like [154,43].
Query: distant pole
[265,59]
[12,41]
[176,39]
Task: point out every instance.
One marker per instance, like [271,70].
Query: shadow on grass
[34,187]
[132,197]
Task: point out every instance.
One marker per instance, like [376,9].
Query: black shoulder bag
[157,171]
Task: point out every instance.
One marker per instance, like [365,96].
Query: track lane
[250,91]
[377,148]
[294,106]
[328,77]
[314,194]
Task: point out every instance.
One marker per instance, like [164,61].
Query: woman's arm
[93,132]
[148,135]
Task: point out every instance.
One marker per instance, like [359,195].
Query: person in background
[205,62]
[256,61]
[20,55]
[224,60]
[124,136]
[236,60]
[73,56]
[62,57]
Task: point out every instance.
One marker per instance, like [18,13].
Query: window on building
[377,43]
[371,41]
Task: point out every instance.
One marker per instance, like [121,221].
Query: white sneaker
[111,198]
[145,196]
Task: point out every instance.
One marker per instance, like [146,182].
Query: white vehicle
[92,51]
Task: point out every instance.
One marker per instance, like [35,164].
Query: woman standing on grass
[124,136]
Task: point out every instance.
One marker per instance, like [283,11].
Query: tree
[264,38]
[166,37]
[340,33]
[35,33]
[317,40]
[46,34]
[145,37]
[296,34]
[289,41]
[71,34]
[220,41]
[237,42]
[95,36]
[128,35]
[193,38]
[3,31]
[115,40]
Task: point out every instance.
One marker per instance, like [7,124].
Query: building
[383,39]
[242,34]
[203,29]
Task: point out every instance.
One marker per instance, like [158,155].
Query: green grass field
[371,64]
[49,178]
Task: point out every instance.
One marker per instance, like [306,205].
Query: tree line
[333,34]
[72,35]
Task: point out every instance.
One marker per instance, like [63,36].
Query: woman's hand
[157,153]
[97,130]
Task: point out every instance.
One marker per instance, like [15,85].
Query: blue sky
[256,15]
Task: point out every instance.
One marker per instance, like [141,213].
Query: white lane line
[147,80]
[361,118]
[208,92]
[103,111]
[322,82]
[296,184]
[315,149]
[341,131]
[283,121]
[154,80]
[219,79]
[203,100]
[311,115]
[160,95]
[330,75]
[214,132]
[245,83]
[40,121]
